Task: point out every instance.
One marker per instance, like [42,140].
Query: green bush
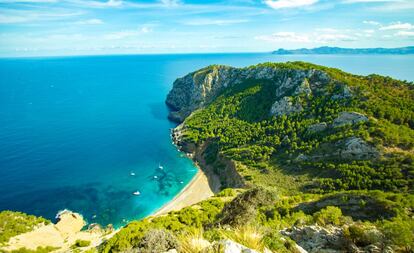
[81,243]
[15,223]
[329,215]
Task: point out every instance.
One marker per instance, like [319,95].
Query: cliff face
[199,88]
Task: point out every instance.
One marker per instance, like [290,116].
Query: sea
[85,133]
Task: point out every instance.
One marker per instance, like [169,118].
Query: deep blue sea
[73,129]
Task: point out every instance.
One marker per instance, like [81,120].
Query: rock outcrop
[316,128]
[199,88]
[285,106]
[315,239]
[349,118]
[357,149]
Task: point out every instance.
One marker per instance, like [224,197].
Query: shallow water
[73,129]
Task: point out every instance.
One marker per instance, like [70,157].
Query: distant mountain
[339,50]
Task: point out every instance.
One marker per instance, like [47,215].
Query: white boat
[136,193]
[155,177]
[160,167]
[132,174]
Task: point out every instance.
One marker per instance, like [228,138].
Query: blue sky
[76,27]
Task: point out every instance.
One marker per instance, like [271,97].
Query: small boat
[132,174]
[136,193]
[155,177]
[181,182]
[160,167]
[94,216]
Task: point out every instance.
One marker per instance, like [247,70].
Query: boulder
[345,93]
[233,247]
[349,118]
[355,148]
[316,128]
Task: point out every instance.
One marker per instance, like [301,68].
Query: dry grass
[248,236]
[193,242]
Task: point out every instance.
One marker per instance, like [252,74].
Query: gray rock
[301,158]
[285,106]
[303,88]
[315,239]
[233,247]
[346,118]
[346,93]
[357,149]
[318,127]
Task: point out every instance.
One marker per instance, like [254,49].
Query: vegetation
[15,223]
[81,243]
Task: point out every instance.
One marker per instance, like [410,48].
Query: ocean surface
[75,130]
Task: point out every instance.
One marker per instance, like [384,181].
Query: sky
[76,27]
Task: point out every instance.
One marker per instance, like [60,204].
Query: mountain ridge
[349,51]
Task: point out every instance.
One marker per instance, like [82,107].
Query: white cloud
[98,4]
[284,37]
[335,37]
[200,22]
[398,26]
[27,1]
[280,4]
[170,3]
[93,21]
[314,37]
[369,1]
[371,22]
[29,16]
[404,33]
[127,33]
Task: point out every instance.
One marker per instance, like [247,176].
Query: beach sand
[200,188]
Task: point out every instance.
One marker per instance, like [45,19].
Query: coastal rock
[199,88]
[316,128]
[285,106]
[349,118]
[357,149]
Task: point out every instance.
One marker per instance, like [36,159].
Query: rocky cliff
[199,88]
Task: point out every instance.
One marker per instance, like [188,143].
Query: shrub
[81,243]
[158,240]
[328,215]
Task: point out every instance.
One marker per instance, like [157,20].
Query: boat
[160,167]
[155,177]
[136,193]
[132,174]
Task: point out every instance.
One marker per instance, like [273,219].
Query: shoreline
[197,190]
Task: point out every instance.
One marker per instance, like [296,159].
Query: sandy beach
[199,189]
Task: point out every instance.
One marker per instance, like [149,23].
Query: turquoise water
[72,129]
